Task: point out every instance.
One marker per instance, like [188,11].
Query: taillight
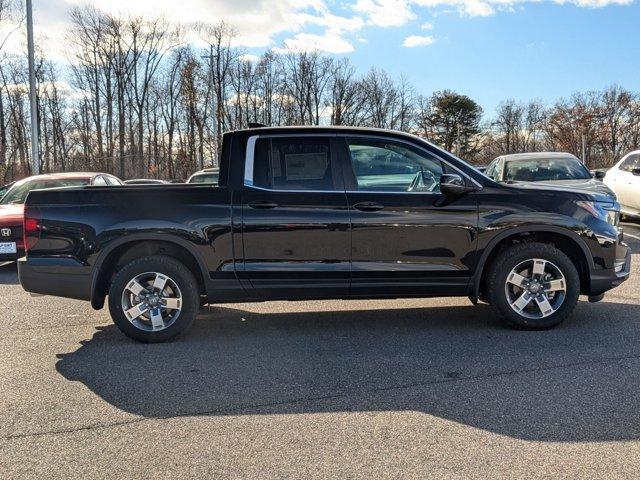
[32,228]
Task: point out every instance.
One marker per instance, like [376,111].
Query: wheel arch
[139,245]
[563,238]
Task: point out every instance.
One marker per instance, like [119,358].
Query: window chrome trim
[419,147]
[250,158]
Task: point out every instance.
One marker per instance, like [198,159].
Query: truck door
[295,218]
[407,238]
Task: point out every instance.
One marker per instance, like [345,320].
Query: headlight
[606,211]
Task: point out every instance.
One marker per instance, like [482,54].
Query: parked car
[624,179]
[551,168]
[207,175]
[145,181]
[4,188]
[318,213]
[12,204]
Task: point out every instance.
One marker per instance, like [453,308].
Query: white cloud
[334,24]
[307,42]
[385,13]
[478,9]
[418,41]
[256,23]
[260,22]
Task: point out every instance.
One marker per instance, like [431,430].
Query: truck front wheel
[153,299]
[533,286]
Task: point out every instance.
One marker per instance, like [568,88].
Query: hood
[11,215]
[587,185]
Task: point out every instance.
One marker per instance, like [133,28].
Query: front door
[407,238]
[627,184]
[295,218]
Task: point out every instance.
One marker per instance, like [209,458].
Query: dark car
[551,168]
[318,213]
[11,204]
[207,175]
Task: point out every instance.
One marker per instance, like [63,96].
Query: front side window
[632,161]
[388,166]
[293,164]
[491,170]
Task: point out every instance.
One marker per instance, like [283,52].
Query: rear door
[295,218]
[407,238]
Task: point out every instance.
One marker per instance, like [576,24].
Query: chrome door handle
[263,204]
[368,206]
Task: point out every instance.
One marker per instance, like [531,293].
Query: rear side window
[112,180]
[205,178]
[293,164]
[100,181]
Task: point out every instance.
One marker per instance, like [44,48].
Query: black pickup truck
[318,213]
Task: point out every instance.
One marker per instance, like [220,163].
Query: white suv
[624,179]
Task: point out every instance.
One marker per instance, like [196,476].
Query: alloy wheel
[151,301]
[535,288]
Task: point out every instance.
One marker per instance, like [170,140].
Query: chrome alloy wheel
[151,301]
[535,288]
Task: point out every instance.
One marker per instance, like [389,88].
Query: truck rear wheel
[153,299]
[533,286]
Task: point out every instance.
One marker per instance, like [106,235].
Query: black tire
[500,270]
[178,273]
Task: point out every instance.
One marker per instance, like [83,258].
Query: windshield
[18,193]
[539,170]
[204,178]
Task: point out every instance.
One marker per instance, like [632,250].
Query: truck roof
[326,129]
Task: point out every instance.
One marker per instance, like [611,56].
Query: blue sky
[491,50]
[539,50]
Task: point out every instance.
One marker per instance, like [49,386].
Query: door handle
[264,204]
[368,206]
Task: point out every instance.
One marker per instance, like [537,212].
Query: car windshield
[204,178]
[539,170]
[18,193]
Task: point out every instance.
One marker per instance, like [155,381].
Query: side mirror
[636,172]
[452,184]
[598,174]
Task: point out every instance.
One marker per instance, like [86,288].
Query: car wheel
[533,286]
[153,299]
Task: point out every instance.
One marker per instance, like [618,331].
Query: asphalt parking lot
[341,389]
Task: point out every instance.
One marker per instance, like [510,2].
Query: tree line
[138,98]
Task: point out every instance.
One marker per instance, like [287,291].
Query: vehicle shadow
[578,382]
[9,273]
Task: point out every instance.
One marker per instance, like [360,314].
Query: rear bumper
[61,277]
[604,280]
[11,257]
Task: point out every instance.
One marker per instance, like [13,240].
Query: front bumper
[604,280]
[61,277]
